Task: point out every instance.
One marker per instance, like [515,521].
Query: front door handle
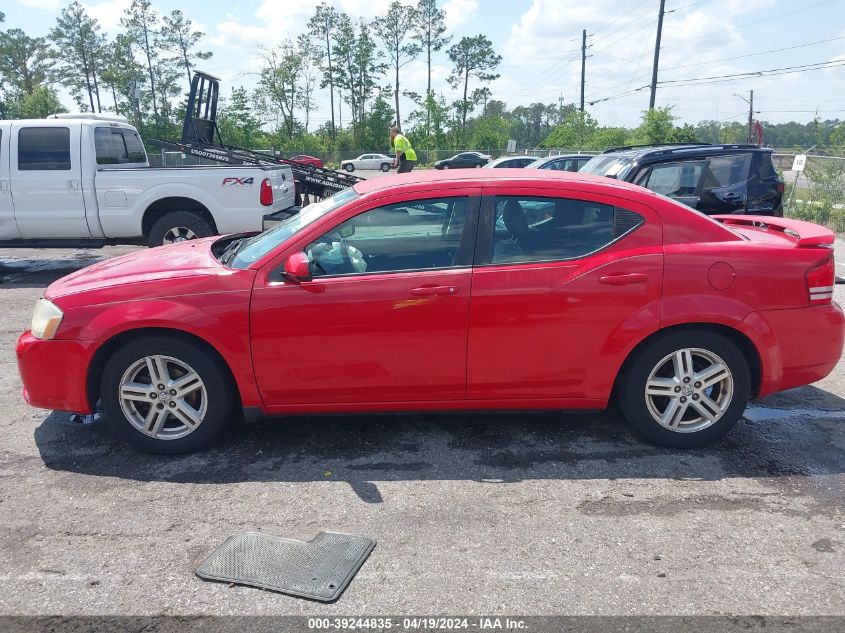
[428,291]
[624,279]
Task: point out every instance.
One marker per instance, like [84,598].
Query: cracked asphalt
[474,514]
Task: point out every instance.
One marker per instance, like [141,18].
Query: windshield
[608,165]
[257,247]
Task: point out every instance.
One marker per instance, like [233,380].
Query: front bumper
[54,373]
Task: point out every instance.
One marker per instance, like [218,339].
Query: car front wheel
[385,167]
[685,389]
[166,395]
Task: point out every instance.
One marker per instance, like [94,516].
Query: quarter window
[723,171]
[44,148]
[534,229]
[420,235]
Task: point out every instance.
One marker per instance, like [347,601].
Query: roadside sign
[799,163]
[511,146]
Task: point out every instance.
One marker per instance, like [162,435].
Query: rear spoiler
[804,233]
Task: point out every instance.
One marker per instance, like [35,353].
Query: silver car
[368,161]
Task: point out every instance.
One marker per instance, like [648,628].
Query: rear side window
[44,148]
[723,171]
[765,168]
[115,146]
[675,180]
[535,229]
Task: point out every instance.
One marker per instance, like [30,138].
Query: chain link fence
[818,193]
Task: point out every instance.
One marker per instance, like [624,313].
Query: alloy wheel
[163,397]
[689,390]
[179,234]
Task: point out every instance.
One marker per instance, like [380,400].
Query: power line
[619,17]
[757,73]
[725,59]
[769,19]
[693,81]
[773,50]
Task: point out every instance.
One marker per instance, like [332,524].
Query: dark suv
[711,178]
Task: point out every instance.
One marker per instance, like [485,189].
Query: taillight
[820,280]
[781,188]
[266,195]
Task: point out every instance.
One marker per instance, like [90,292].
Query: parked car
[308,161]
[86,178]
[377,299]
[515,162]
[710,178]
[571,162]
[368,161]
[462,160]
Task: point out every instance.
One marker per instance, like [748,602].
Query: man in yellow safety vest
[406,157]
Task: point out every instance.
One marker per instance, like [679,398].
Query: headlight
[45,320]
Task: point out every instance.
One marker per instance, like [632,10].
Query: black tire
[631,388]
[219,391]
[167,224]
[445,165]
[385,167]
[349,167]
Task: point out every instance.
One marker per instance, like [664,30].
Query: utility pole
[750,102]
[750,115]
[656,55]
[583,63]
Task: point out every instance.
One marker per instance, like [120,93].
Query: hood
[186,259]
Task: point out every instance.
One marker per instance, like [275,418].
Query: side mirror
[298,267]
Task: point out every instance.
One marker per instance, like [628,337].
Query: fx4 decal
[231,181]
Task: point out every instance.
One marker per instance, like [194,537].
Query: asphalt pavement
[538,513]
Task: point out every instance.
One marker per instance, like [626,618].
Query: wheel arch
[745,345]
[110,346]
[169,204]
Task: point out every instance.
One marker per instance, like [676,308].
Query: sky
[540,45]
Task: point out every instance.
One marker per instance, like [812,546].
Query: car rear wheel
[385,167]
[179,226]
[685,389]
[349,167]
[166,395]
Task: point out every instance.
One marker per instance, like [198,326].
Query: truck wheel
[179,226]
[349,167]
[165,395]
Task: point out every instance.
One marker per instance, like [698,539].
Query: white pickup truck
[87,178]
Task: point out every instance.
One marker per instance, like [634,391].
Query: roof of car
[682,149]
[481,177]
[564,156]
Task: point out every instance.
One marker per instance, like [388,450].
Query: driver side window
[414,235]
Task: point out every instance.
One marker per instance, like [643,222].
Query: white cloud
[459,12]
[108,12]
[49,5]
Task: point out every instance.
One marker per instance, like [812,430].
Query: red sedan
[308,161]
[507,290]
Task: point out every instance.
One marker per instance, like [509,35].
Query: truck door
[46,180]
[8,228]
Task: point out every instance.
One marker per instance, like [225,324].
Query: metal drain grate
[319,569]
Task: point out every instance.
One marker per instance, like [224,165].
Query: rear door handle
[624,279]
[428,291]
